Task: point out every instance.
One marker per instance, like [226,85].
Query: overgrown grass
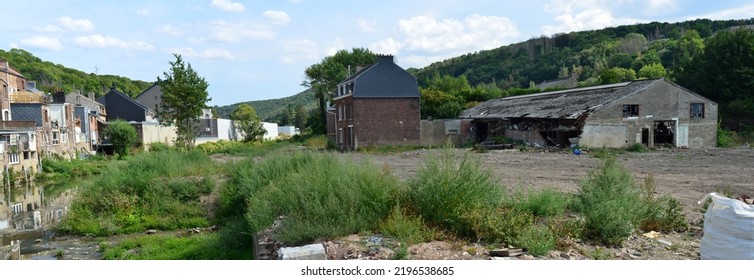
[147,191]
[451,191]
[58,169]
[318,195]
[241,148]
[386,149]
[205,246]
[406,228]
[542,203]
[614,206]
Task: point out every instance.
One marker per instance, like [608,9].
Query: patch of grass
[205,246]
[599,254]
[538,239]
[407,229]
[543,203]
[327,198]
[451,190]
[60,170]
[147,191]
[386,149]
[610,203]
[725,138]
[637,148]
[59,254]
[316,142]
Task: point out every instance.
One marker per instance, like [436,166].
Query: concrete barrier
[308,252]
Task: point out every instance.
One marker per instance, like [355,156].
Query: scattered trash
[652,234]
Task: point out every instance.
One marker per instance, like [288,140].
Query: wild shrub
[538,239]
[450,190]
[326,198]
[543,203]
[610,202]
[147,191]
[407,229]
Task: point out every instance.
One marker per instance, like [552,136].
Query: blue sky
[255,50]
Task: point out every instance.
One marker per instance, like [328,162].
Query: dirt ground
[686,175]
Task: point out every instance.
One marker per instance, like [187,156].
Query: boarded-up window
[697,110]
[630,111]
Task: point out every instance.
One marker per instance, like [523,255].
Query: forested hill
[585,52]
[50,76]
[272,109]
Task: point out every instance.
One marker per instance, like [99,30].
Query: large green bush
[450,189]
[318,196]
[147,191]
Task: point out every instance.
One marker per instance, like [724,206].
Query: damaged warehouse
[650,112]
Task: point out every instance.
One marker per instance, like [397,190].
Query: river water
[27,213]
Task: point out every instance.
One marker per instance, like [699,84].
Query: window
[340,112]
[55,138]
[13,159]
[340,136]
[350,111]
[630,111]
[697,110]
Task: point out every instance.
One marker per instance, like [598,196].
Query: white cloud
[387,46]
[426,33]
[171,30]
[79,25]
[143,12]
[207,54]
[298,50]
[227,5]
[47,28]
[277,17]
[49,43]
[99,41]
[577,15]
[335,46]
[740,12]
[366,26]
[236,32]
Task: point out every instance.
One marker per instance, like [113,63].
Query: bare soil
[686,175]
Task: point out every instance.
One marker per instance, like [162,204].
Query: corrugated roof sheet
[563,104]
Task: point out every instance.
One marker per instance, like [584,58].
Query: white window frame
[55,138]
[14,158]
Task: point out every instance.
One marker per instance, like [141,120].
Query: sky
[257,50]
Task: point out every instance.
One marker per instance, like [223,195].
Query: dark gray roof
[81,100]
[384,79]
[563,104]
[103,100]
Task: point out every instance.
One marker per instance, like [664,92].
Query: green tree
[617,75]
[438,104]
[246,119]
[184,95]
[301,117]
[122,135]
[724,72]
[323,77]
[652,71]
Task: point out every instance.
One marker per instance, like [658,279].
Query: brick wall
[385,121]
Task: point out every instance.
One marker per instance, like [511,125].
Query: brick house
[653,112]
[378,105]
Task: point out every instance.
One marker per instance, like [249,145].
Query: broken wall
[437,132]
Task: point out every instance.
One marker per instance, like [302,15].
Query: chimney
[4,64]
[91,95]
[385,58]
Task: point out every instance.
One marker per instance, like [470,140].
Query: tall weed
[450,189]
